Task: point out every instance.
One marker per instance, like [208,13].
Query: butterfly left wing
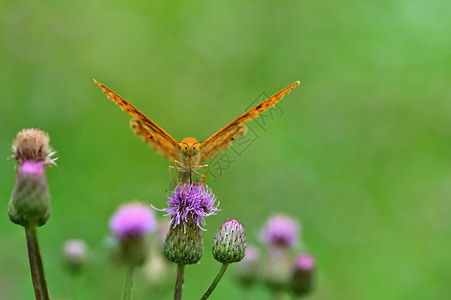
[144,127]
[152,138]
[219,141]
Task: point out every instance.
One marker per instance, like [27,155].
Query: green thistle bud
[248,268]
[277,269]
[74,255]
[303,274]
[133,251]
[184,244]
[30,199]
[229,245]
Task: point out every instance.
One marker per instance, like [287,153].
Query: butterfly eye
[195,150]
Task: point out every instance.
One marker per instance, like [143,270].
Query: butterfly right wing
[219,141]
[144,127]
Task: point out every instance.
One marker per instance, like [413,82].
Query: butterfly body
[189,158]
[189,155]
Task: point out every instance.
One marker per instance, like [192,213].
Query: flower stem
[128,283]
[179,282]
[277,295]
[37,269]
[215,281]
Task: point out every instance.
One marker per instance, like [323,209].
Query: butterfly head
[190,149]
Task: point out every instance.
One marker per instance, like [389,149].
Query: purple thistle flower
[132,220]
[191,203]
[281,231]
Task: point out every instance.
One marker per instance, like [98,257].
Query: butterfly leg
[170,168]
[176,166]
[176,162]
[203,176]
[207,167]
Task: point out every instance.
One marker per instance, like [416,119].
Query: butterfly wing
[219,141]
[144,127]
[154,139]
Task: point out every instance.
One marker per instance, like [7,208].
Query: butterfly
[189,155]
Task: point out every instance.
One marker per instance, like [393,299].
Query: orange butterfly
[189,154]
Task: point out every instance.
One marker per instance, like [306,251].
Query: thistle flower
[302,280]
[74,254]
[132,220]
[281,231]
[129,225]
[191,203]
[229,245]
[188,205]
[30,199]
[247,269]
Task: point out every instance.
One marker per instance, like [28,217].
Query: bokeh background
[360,155]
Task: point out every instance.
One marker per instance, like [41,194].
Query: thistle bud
[74,254]
[248,268]
[129,225]
[184,244]
[157,268]
[302,280]
[30,198]
[229,245]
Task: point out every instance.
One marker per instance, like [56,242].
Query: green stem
[215,282]
[37,269]
[277,295]
[179,282]
[128,283]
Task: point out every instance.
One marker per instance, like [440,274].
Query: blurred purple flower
[304,261]
[281,231]
[191,202]
[132,220]
[74,254]
[247,269]
[252,255]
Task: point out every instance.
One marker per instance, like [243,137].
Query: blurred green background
[360,156]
